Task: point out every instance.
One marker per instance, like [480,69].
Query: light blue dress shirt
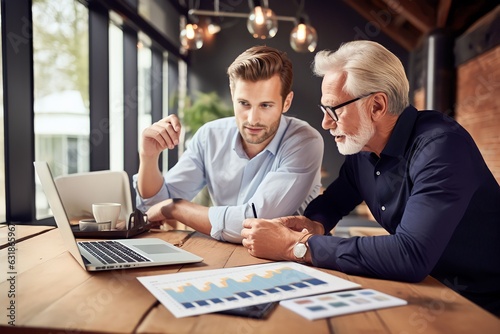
[281,180]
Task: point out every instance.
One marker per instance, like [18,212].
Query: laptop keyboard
[112,252]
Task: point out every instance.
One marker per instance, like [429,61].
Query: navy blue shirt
[432,191]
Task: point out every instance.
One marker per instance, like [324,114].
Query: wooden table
[53,294]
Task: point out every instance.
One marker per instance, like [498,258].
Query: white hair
[369,67]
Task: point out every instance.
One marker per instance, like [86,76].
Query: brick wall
[478,104]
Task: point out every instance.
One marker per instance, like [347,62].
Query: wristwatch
[300,248]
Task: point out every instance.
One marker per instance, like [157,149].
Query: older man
[419,172]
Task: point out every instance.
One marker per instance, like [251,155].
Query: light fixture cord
[300,7]
[301,15]
[194,5]
[251,4]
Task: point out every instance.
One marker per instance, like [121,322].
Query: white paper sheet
[206,291]
[338,303]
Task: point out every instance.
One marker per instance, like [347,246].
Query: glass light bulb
[262,23]
[301,32]
[189,31]
[259,15]
[213,28]
[303,38]
[192,37]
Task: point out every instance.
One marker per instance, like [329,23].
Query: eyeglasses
[331,110]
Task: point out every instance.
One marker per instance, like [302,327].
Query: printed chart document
[338,303]
[206,291]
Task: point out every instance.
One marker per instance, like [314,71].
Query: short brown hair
[262,63]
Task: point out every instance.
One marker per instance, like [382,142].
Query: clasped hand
[274,238]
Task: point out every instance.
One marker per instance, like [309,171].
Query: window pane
[2,142]
[144,61]
[182,79]
[116,135]
[61,67]
[165,100]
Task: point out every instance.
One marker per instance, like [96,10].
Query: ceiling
[407,22]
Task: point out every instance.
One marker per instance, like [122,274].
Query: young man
[258,156]
[420,173]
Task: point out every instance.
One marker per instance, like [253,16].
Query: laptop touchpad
[156,249]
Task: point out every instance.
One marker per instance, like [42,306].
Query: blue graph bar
[276,281]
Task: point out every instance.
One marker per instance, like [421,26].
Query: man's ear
[288,102]
[379,106]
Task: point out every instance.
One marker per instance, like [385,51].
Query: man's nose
[253,116]
[328,123]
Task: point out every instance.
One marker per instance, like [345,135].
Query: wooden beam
[408,37]
[442,13]
[418,13]
[390,23]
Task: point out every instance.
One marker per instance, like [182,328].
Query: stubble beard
[268,132]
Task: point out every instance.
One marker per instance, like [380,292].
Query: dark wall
[335,23]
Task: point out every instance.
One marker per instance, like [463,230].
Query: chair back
[79,191]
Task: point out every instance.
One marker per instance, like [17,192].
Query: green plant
[205,108]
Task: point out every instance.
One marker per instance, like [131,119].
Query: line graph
[206,291]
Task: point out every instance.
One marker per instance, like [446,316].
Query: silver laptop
[109,254]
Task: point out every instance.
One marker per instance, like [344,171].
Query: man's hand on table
[159,215]
[271,239]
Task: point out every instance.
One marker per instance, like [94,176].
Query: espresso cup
[106,212]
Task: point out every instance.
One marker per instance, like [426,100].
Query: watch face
[299,250]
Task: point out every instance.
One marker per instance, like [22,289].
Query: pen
[254,212]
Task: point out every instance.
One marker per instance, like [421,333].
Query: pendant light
[192,37]
[262,22]
[303,37]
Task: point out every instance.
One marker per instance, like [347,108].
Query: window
[77,92]
[144,62]
[61,93]
[165,100]
[116,133]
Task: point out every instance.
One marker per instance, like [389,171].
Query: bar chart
[222,289]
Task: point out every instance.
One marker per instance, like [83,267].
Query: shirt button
[383,208]
[377,173]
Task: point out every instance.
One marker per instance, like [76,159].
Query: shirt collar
[272,147]
[401,133]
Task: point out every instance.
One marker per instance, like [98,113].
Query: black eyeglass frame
[331,110]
